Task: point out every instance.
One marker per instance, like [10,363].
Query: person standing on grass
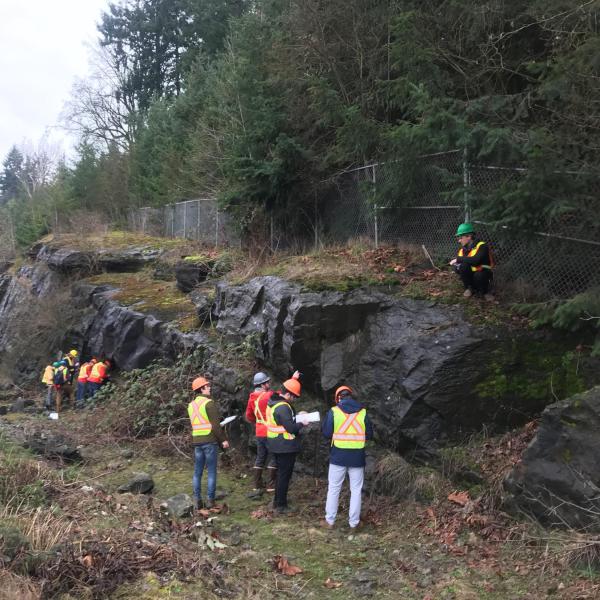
[283,440]
[348,427]
[207,435]
[82,377]
[48,381]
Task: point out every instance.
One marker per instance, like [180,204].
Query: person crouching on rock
[283,440]
[348,427]
[473,263]
[207,434]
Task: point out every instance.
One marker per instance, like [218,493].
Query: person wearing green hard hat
[473,263]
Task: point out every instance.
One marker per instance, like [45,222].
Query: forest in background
[260,102]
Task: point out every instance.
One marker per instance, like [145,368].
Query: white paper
[53,416]
[227,420]
[313,417]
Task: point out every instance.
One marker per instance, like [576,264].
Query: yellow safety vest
[348,429]
[48,376]
[201,424]
[473,252]
[274,430]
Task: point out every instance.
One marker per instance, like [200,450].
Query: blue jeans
[81,385]
[205,454]
[92,388]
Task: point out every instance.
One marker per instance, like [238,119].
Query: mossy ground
[148,295]
[401,552]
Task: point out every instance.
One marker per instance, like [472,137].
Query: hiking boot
[489,297]
[272,480]
[210,503]
[358,526]
[255,494]
[467,293]
[258,483]
[325,525]
[197,503]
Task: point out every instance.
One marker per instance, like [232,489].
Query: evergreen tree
[10,178]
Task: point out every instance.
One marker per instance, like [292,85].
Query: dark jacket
[347,457]
[216,435]
[284,416]
[482,256]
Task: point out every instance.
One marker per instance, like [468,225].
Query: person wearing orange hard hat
[207,435]
[348,427]
[282,438]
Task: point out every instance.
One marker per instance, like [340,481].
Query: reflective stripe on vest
[348,429]
[201,424]
[260,418]
[84,372]
[98,373]
[473,252]
[273,430]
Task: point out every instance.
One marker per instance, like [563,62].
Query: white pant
[337,474]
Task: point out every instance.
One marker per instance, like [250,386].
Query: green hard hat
[464,229]
[56,364]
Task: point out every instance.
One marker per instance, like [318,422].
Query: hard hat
[293,386]
[464,229]
[73,353]
[63,363]
[56,364]
[260,378]
[199,382]
[340,391]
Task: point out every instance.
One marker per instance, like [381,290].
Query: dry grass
[582,551]
[16,587]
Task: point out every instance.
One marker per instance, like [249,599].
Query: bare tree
[98,109]
[39,165]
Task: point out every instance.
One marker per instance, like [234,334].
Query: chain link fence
[422,203]
[199,219]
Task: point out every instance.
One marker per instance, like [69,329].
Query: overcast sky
[43,48]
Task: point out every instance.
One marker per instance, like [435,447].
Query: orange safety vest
[98,373]
[473,252]
[273,430]
[201,424]
[348,429]
[84,372]
[260,418]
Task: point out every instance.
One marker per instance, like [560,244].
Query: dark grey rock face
[558,478]
[52,445]
[422,369]
[132,340]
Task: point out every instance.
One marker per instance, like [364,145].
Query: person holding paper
[256,412]
[348,427]
[207,435]
[283,440]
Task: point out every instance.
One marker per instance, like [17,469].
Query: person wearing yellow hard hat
[207,435]
[282,438]
[473,263]
[348,427]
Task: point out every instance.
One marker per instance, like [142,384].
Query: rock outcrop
[424,370]
[558,478]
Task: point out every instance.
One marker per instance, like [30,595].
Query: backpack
[59,376]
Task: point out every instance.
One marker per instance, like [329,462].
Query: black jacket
[284,416]
[482,256]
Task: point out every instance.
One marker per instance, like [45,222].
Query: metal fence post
[466,184]
[376,219]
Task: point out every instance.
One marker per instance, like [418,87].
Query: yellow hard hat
[73,353]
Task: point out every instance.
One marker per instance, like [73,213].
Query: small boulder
[127,453]
[179,506]
[53,446]
[140,483]
[189,272]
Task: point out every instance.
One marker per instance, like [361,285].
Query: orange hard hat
[293,386]
[338,392]
[199,382]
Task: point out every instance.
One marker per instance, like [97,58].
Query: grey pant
[337,474]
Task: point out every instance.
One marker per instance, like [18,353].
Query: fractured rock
[179,506]
[140,483]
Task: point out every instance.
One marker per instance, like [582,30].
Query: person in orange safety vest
[97,377]
[82,379]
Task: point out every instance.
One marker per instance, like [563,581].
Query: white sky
[43,48]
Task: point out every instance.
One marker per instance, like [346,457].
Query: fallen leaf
[331,584]
[87,561]
[460,498]
[283,566]
[258,514]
